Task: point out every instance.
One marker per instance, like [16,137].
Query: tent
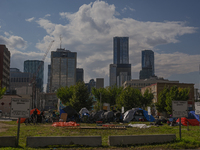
[137,113]
[83,110]
[128,115]
[69,110]
[192,115]
[192,122]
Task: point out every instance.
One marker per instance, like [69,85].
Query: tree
[2,91]
[113,93]
[65,94]
[129,98]
[161,104]
[146,99]
[81,97]
[166,97]
[176,93]
[108,95]
[76,96]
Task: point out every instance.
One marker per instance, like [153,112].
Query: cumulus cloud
[13,42]
[90,32]
[30,19]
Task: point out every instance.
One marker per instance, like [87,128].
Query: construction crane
[33,80]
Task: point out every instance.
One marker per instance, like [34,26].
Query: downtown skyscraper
[120,70]
[63,69]
[147,64]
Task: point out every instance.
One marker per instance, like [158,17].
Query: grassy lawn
[190,139]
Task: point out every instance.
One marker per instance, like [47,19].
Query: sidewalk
[3,118]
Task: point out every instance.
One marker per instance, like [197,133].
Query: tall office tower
[36,67]
[4,66]
[63,69]
[147,64]
[120,70]
[79,74]
[48,80]
[120,50]
[99,83]
[18,78]
[90,85]
[113,74]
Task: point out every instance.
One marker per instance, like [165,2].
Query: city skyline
[88,27]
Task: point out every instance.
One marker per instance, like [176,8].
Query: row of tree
[78,97]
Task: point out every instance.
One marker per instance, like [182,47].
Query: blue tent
[192,115]
[147,116]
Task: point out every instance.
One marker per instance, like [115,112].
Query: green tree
[76,96]
[113,93]
[161,103]
[146,99]
[65,94]
[101,97]
[176,93]
[108,95]
[166,97]
[129,98]
[81,97]
[2,91]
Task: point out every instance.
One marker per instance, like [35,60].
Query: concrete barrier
[8,141]
[67,140]
[140,139]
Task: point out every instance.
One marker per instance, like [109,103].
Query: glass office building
[120,70]
[79,74]
[120,50]
[63,69]
[35,67]
[147,64]
[48,80]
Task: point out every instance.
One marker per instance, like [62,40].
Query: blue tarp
[152,119]
[192,115]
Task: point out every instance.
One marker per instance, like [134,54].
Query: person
[35,114]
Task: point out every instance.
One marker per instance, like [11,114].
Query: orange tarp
[192,122]
[65,124]
[31,112]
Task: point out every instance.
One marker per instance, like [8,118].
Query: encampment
[137,114]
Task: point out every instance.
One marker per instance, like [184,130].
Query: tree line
[78,97]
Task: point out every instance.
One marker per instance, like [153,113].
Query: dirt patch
[3,127]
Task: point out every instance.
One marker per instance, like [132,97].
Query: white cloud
[12,41]
[47,15]
[30,19]
[90,33]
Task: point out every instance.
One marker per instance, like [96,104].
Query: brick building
[4,66]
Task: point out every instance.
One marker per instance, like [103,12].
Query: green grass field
[190,139]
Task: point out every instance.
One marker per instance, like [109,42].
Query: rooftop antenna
[60,41]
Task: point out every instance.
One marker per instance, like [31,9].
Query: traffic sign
[197,108]
[20,108]
[179,109]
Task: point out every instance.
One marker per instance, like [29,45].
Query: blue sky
[170,28]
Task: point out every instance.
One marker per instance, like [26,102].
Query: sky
[170,28]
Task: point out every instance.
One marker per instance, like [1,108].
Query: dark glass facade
[79,74]
[147,64]
[120,50]
[48,80]
[35,67]
[63,69]
[18,78]
[120,70]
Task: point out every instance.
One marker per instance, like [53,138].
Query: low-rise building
[159,86]
[140,83]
